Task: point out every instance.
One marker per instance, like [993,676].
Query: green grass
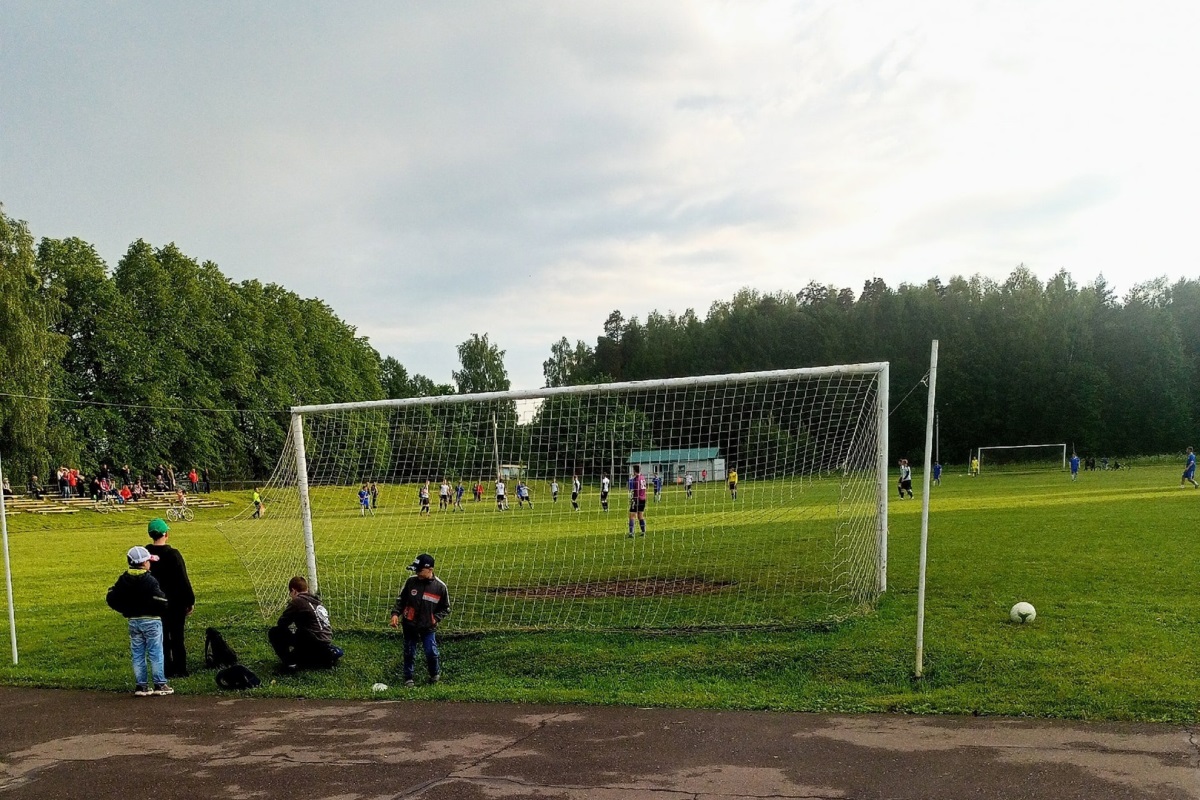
[1109,563]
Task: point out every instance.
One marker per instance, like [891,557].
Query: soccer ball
[379,687]
[1023,613]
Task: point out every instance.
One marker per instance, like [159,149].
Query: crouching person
[423,602]
[303,637]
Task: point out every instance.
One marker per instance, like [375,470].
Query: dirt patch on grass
[633,587]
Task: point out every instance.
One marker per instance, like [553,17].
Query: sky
[521,170]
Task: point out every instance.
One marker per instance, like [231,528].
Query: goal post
[1026,454]
[799,539]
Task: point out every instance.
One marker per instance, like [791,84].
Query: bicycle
[178,513]
[106,504]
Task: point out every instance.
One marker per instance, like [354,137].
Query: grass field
[1108,561]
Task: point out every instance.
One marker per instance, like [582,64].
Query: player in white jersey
[575,487]
[604,487]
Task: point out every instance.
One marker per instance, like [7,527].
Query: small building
[512,472]
[703,463]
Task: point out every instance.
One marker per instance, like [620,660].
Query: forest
[162,359]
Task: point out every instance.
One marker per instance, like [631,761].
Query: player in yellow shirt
[733,484]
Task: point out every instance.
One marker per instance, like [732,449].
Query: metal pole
[496,444]
[933,357]
[882,469]
[310,551]
[12,613]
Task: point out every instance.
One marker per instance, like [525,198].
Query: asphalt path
[67,744]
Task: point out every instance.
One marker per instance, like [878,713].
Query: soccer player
[905,484]
[364,502]
[605,484]
[974,466]
[687,484]
[657,487]
[637,499]
[575,487]
[501,500]
[424,495]
[1189,470]
[937,473]
[459,490]
[554,490]
[444,494]
[1074,467]
[733,484]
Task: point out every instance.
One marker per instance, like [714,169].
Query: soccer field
[1108,561]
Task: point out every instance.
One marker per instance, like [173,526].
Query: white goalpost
[801,538]
[1027,453]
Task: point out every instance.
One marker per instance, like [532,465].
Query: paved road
[60,744]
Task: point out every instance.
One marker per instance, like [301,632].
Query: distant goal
[1022,457]
[804,541]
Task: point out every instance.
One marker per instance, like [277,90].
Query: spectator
[207,481]
[139,490]
[35,488]
[423,602]
[126,475]
[194,480]
[171,572]
[137,596]
[125,493]
[303,636]
[7,489]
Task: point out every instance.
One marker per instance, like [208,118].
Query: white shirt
[499,488]
[604,485]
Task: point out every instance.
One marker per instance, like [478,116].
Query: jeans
[426,639]
[146,638]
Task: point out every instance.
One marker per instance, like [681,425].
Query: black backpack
[237,677]
[217,652]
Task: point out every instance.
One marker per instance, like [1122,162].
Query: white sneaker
[162,689]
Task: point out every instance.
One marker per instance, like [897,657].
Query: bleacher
[53,504]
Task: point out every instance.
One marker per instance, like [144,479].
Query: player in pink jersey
[637,499]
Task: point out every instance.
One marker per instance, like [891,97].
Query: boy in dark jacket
[424,601]
[138,597]
[171,572]
[303,636]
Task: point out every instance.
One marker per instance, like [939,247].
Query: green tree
[482,367]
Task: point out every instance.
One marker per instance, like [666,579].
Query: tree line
[162,359]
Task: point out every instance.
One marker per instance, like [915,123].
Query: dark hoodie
[422,603]
[309,616]
[136,594]
[172,576]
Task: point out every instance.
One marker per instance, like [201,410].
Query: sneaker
[435,678]
[162,688]
[142,690]
[410,683]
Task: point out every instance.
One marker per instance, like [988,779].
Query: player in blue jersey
[364,502]
[637,499]
[1074,467]
[937,473]
[657,481]
[1189,470]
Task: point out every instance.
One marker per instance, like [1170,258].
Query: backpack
[237,677]
[217,652]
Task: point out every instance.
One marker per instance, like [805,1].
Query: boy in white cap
[137,596]
[422,604]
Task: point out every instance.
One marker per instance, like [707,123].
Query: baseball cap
[157,528]
[139,555]
[421,562]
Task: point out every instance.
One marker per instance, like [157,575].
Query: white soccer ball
[1023,613]
[382,687]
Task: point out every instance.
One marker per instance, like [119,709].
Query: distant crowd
[121,485]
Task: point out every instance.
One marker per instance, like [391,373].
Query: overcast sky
[437,169]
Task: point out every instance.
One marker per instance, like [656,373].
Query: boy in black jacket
[138,597]
[303,636]
[171,572]
[423,603]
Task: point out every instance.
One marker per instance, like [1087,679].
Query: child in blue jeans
[137,596]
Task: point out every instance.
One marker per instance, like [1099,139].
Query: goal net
[1022,457]
[801,538]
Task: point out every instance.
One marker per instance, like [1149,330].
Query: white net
[800,541]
